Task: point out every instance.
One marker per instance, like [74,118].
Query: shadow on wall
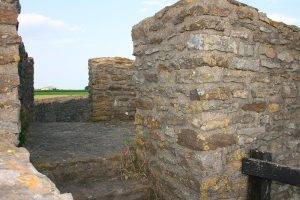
[64,109]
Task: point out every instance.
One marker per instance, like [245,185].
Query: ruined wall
[64,109]
[214,79]
[112,89]
[9,61]
[26,89]
[18,178]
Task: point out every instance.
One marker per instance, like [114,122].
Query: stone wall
[64,109]
[214,79]
[18,178]
[26,89]
[9,60]
[112,89]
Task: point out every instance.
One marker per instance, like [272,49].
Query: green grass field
[38,94]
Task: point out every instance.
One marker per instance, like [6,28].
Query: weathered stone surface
[192,140]
[9,39]
[245,13]
[144,105]
[274,107]
[112,88]
[269,64]
[205,24]
[196,42]
[20,180]
[201,10]
[285,56]
[26,87]
[245,49]
[245,64]
[214,94]
[256,107]
[267,50]
[63,109]
[208,121]
[226,83]
[8,16]
[243,94]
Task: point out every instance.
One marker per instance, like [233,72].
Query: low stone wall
[62,109]
[112,89]
[223,79]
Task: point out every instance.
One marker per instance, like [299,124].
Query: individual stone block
[8,16]
[245,64]
[285,56]
[256,107]
[190,139]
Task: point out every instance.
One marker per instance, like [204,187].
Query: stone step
[76,170]
[67,150]
[115,189]
[85,158]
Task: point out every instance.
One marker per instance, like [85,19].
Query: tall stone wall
[26,87]
[18,178]
[214,79]
[112,89]
[9,60]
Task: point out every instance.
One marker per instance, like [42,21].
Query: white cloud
[144,10]
[285,19]
[33,19]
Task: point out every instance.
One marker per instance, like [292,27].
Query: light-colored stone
[246,49]
[269,64]
[285,56]
[243,94]
[20,180]
[196,41]
[245,64]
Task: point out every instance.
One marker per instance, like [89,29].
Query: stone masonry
[214,79]
[18,178]
[26,89]
[62,109]
[9,60]
[112,89]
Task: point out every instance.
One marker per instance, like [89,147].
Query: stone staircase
[85,159]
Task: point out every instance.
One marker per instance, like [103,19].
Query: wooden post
[259,188]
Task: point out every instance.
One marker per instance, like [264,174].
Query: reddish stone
[220,141]
[245,13]
[143,104]
[256,107]
[151,78]
[8,16]
[152,123]
[139,119]
[137,33]
[189,138]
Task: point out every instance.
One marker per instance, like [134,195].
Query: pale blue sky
[62,35]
